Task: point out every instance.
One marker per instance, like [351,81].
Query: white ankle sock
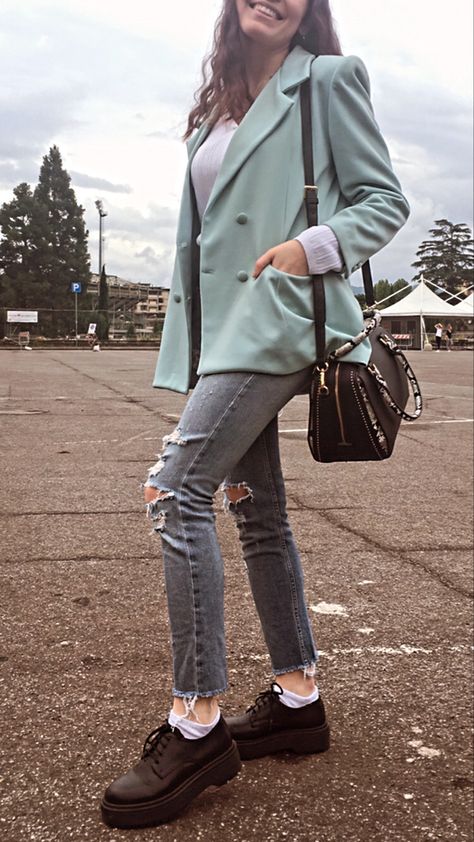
[190,729]
[292,700]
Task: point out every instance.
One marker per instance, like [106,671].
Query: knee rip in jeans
[155,511]
[236,493]
[173,438]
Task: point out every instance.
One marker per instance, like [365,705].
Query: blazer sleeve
[377,207]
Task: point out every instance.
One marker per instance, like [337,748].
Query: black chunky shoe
[171,772]
[268,726]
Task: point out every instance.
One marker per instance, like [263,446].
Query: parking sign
[75,287]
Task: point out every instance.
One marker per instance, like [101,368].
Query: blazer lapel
[263,117]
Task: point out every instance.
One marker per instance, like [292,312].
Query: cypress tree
[103,307]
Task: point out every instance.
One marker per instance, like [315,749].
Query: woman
[438,335]
[241,311]
[449,336]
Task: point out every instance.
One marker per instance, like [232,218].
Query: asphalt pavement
[84,651]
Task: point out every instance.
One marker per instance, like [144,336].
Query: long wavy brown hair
[224,90]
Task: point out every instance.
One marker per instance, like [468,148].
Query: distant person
[438,335]
[449,336]
[92,339]
[246,289]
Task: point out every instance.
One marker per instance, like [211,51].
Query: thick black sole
[145,814]
[304,741]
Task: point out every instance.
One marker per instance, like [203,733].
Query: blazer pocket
[295,293]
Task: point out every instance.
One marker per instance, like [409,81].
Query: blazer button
[242,219]
[177,298]
[242,276]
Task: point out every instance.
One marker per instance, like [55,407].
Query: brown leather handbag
[355,410]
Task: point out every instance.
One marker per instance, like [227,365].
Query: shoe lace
[157,741]
[262,699]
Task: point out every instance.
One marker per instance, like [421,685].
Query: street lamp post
[102,214]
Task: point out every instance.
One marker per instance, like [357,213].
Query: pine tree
[23,225]
[447,259]
[66,259]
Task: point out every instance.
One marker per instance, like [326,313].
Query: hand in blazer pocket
[289,257]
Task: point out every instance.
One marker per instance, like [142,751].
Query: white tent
[466,307]
[421,302]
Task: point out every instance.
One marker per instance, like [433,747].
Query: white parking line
[447,421]
[143,437]
[138,436]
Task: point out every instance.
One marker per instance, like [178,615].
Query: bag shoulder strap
[311,203]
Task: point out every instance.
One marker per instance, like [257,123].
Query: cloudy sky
[111,83]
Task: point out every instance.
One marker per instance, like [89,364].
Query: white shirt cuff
[322,249]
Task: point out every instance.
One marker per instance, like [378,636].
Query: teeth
[265,10]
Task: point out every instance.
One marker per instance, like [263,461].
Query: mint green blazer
[266,325]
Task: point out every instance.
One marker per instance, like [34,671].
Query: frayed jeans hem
[304,666]
[191,695]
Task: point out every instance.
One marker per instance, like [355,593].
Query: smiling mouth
[265,9]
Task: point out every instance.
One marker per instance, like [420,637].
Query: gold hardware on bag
[323,389]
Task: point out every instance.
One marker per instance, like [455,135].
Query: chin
[259,34]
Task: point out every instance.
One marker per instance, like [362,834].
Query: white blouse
[319,241]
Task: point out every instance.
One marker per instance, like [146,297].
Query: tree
[43,247]
[131,330]
[66,258]
[381,289]
[23,225]
[404,288]
[447,259]
[103,307]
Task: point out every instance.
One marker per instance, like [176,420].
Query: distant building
[141,303]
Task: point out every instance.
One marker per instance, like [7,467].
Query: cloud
[147,264]
[156,221]
[11,173]
[31,122]
[138,245]
[91,182]
[158,265]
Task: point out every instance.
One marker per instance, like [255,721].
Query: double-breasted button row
[177,298]
[242,276]
[242,219]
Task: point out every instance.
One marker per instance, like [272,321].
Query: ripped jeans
[228,434]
